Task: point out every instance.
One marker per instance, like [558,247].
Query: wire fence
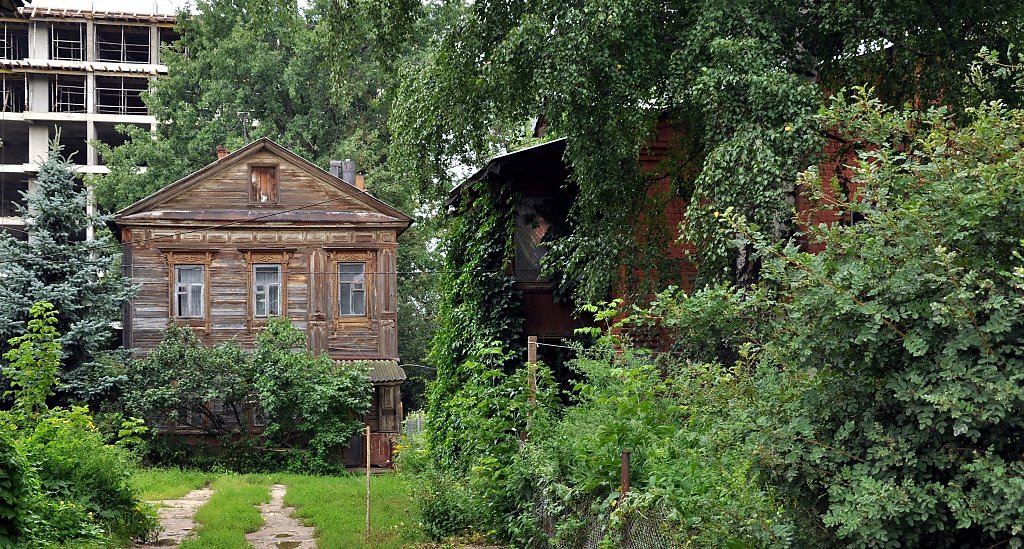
[414,423]
[582,524]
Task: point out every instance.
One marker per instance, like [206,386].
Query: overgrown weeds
[231,512]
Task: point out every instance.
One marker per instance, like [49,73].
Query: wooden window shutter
[263,189]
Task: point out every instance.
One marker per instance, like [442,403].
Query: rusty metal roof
[381,371]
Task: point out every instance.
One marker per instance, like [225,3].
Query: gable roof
[143,209]
[549,151]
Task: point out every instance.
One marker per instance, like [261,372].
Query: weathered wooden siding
[308,285]
[228,188]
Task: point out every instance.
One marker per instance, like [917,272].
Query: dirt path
[280,530]
[176,521]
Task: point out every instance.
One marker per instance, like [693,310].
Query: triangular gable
[353,197]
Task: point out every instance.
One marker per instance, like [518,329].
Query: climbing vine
[479,307]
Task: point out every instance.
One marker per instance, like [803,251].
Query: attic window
[263,188]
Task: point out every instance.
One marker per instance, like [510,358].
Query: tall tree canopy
[742,81]
[312,79]
[315,79]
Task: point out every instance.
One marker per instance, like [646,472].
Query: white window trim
[361,288]
[264,290]
[184,289]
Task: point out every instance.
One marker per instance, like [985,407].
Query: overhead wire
[183,232]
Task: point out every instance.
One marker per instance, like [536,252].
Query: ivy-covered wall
[479,307]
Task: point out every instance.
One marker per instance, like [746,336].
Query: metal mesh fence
[582,525]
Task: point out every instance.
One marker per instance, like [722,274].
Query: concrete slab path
[280,530]
[177,518]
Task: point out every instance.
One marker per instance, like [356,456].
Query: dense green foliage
[87,483]
[692,468]
[481,384]
[689,466]
[866,395]
[15,491]
[471,481]
[309,403]
[72,485]
[34,361]
[80,277]
[174,383]
[740,85]
[741,80]
[906,421]
[479,306]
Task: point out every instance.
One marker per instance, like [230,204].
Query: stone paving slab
[177,518]
[280,530]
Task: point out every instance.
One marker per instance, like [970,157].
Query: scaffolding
[122,43]
[13,92]
[13,40]
[12,189]
[67,41]
[67,93]
[120,95]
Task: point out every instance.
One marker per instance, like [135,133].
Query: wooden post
[531,378]
[366,535]
[624,474]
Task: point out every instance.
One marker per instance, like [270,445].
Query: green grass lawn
[336,507]
[231,512]
[156,484]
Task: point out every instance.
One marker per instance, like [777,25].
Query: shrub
[87,483]
[63,484]
[312,407]
[15,492]
[445,507]
[177,380]
[890,396]
[310,402]
[691,468]
[412,456]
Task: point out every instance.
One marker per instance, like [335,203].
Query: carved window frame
[203,258]
[369,260]
[255,257]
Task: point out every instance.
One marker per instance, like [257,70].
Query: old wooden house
[262,232]
[542,191]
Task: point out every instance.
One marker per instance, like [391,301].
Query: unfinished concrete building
[78,72]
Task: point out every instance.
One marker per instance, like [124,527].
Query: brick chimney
[221,152]
[360,182]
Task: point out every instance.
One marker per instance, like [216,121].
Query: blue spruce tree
[56,263]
